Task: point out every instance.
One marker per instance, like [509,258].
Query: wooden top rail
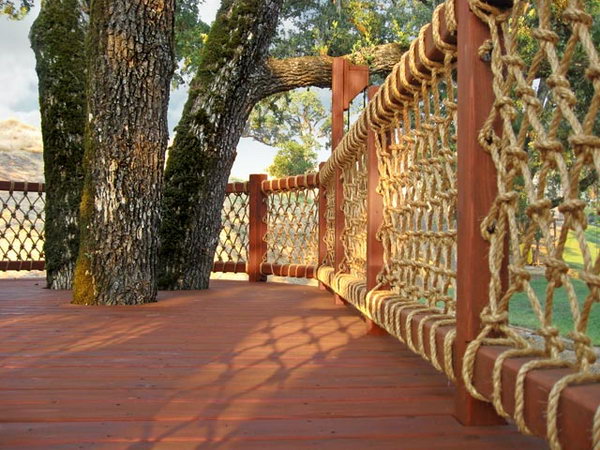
[237,187]
[399,86]
[22,186]
[307,180]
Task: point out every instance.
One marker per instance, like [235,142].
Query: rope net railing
[234,236]
[413,117]
[21,225]
[354,235]
[543,136]
[292,224]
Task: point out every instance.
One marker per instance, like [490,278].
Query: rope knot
[548,145]
[513,60]
[555,269]
[494,319]
[577,16]
[552,337]
[539,208]
[583,347]
[573,206]
[579,141]
[485,50]
[545,35]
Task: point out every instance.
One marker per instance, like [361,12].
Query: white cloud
[18,80]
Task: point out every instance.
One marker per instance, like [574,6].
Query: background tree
[57,38]
[292,158]
[296,124]
[130,63]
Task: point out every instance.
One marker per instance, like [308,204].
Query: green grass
[573,256]
[521,313]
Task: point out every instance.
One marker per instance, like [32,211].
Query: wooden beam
[476,193]
[258,227]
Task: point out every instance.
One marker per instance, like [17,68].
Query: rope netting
[329,237]
[292,226]
[234,236]
[354,235]
[22,224]
[417,164]
[413,116]
[543,136]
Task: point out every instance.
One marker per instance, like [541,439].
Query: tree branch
[281,75]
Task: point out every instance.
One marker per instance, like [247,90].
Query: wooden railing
[269,227]
[433,201]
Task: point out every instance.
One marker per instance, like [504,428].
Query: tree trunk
[220,100]
[130,63]
[57,38]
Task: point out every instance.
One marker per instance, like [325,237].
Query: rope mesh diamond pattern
[292,226]
[22,225]
[354,236]
[234,236]
[329,237]
[418,184]
[543,136]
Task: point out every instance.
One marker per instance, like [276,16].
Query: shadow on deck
[238,366]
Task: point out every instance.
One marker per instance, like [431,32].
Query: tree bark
[281,75]
[220,100]
[130,64]
[57,38]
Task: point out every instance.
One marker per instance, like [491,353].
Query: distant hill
[20,152]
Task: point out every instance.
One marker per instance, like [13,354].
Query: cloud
[18,80]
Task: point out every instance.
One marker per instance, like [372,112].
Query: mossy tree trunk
[58,40]
[221,98]
[130,64]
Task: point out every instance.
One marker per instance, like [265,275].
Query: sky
[19,96]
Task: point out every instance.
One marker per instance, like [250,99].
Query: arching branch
[281,75]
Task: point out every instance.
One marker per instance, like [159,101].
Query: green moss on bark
[58,40]
[200,160]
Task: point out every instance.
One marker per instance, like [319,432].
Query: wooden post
[476,193]
[258,227]
[322,224]
[374,218]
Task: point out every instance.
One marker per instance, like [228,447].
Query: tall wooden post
[476,193]
[258,227]
[374,218]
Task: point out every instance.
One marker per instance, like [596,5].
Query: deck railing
[436,198]
[426,215]
[270,227]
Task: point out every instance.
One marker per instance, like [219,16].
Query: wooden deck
[238,366]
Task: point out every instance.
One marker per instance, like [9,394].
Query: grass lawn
[573,256]
[522,315]
[520,310]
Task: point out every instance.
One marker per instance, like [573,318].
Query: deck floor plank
[238,366]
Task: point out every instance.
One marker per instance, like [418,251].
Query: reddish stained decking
[239,366]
